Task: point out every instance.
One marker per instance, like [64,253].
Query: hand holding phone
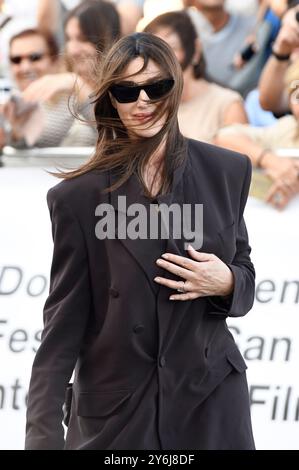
[248,52]
[245,55]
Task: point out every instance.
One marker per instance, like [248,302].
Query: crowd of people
[240,69]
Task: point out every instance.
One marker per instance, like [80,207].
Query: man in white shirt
[223,35]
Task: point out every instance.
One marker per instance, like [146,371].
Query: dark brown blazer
[150,373]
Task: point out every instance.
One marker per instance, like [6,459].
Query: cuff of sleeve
[227,305]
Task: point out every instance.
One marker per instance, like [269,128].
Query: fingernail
[157,279]
[159,261]
[165,255]
[190,247]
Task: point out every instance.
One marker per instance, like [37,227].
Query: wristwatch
[280,57]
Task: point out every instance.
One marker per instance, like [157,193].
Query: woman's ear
[198,52]
[113,100]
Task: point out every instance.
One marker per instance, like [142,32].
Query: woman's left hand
[204,275]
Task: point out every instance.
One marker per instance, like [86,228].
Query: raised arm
[235,113]
[48,15]
[271,84]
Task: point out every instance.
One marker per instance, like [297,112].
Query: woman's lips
[142,117]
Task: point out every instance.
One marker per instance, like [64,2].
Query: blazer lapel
[144,251]
[171,313]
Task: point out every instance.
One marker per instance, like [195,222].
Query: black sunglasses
[130,93]
[34,57]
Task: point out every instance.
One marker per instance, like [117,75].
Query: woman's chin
[145,133]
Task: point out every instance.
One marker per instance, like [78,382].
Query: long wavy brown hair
[115,149]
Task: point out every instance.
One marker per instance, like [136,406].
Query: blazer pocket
[236,360]
[101,404]
[227,237]
[218,370]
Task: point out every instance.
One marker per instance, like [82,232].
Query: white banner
[268,337]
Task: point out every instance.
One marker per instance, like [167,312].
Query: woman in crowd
[137,311]
[205,107]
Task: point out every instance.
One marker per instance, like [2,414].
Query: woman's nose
[142,96]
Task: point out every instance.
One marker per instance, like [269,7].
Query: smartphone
[248,52]
[21,106]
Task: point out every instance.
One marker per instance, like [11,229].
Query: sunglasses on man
[34,57]
[130,93]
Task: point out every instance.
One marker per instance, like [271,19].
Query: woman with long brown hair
[135,310]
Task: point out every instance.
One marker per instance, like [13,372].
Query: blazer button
[162,361]
[113,292]
[138,329]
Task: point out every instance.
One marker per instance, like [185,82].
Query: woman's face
[138,116]
[81,52]
[173,40]
[29,60]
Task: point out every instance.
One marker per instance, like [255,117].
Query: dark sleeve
[65,317]
[241,300]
